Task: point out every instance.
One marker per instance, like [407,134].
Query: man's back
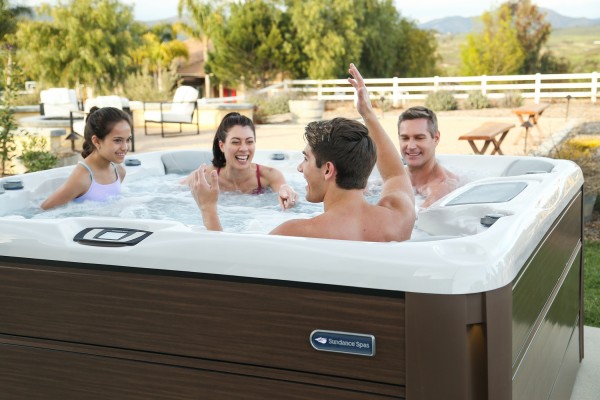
[353,218]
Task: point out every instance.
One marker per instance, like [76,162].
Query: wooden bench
[533,114]
[488,132]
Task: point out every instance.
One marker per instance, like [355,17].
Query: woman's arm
[276,181]
[206,194]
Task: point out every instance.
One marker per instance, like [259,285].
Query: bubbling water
[164,198]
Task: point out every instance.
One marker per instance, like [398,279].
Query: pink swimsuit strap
[259,189]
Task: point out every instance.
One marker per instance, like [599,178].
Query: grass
[592,284]
[574,44]
[577,46]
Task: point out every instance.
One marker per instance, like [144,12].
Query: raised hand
[206,195]
[363,105]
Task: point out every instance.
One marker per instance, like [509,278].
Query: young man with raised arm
[339,157]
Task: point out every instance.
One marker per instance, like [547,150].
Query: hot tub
[485,302]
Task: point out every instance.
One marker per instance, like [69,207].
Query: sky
[420,10]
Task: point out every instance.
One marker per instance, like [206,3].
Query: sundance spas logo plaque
[343,342]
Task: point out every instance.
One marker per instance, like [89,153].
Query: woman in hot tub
[233,149]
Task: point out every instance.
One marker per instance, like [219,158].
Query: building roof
[194,65]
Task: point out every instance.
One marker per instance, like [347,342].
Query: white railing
[399,90]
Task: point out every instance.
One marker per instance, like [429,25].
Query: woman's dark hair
[99,123]
[228,122]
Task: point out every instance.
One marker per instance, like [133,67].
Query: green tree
[249,46]
[9,17]
[7,128]
[201,14]
[328,32]
[158,51]
[84,42]
[496,50]
[8,125]
[533,32]
[552,64]
[394,46]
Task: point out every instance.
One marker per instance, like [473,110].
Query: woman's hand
[205,193]
[287,196]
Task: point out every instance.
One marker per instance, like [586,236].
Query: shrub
[34,156]
[384,103]
[27,99]
[144,86]
[477,101]
[583,151]
[265,106]
[441,101]
[512,98]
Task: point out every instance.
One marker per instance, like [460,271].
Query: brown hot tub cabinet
[96,330]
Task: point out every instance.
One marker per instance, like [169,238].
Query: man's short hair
[346,144]
[419,112]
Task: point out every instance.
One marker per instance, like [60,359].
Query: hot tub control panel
[111,237]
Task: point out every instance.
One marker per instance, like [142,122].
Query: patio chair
[58,102]
[78,124]
[180,110]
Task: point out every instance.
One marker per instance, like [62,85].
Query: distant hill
[451,24]
[171,20]
[456,25]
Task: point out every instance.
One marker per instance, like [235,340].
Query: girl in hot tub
[233,149]
[98,177]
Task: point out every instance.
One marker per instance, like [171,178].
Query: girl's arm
[77,184]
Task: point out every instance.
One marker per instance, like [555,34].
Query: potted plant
[305,110]
[35,157]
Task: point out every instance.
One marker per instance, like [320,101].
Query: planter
[305,111]
[588,206]
[211,114]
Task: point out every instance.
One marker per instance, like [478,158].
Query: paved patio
[289,136]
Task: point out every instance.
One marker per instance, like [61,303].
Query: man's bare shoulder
[299,227]
[442,175]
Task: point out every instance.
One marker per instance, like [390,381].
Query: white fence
[399,90]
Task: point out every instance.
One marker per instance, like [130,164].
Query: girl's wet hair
[228,122]
[100,122]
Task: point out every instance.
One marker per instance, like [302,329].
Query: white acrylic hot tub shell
[469,262]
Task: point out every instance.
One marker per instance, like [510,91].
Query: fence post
[319,91]
[538,88]
[484,85]
[594,86]
[395,92]
[436,83]
[285,85]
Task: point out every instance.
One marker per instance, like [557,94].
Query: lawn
[592,284]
